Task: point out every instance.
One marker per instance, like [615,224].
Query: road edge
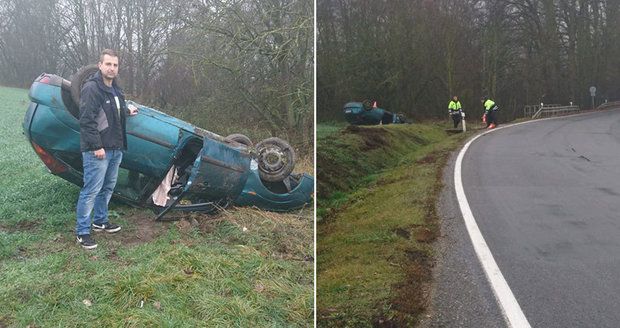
[512,312]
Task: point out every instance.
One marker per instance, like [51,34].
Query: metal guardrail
[553,111]
[608,105]
[536,111]
[547,110]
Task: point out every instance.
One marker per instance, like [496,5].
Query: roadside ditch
[377,192]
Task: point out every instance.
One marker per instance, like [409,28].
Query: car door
[220,171]
[217,178]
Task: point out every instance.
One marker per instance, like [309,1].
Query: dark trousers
[492,117]
[456,118]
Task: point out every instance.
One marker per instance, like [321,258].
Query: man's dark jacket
[102,125]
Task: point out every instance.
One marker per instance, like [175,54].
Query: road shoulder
[461,295]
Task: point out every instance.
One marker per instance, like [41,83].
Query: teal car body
[358,113]
[213,172]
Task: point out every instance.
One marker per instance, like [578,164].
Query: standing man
[490,112]
[455,110]
[102,141]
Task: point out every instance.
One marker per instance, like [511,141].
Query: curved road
[546,197]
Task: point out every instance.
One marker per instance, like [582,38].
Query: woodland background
[220,64]
[413,55]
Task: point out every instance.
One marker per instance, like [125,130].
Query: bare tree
[412,55]
[244,61]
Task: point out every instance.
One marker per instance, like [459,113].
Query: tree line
[241,62]
[413,55]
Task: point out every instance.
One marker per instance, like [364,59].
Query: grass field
[377,190]
[242,268]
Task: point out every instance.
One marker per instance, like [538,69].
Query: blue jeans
[99,180]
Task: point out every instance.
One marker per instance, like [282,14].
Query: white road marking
[510,308]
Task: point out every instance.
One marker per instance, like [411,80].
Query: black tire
[240,138]
[67,99]
[367,105]
[78,79]
[276,159]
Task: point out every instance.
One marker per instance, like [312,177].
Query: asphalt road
[546,197]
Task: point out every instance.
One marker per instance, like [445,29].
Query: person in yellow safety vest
[455,110]
[490,112]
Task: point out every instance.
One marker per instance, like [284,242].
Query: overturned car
[169,164]
[364,113]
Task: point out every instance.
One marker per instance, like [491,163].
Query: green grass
[242,268]
[377,192]
[327,130]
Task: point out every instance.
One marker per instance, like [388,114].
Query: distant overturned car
[211,171]
[364,113]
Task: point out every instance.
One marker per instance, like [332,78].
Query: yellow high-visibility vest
[454,106]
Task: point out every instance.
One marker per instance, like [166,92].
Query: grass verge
[242,268]
[376,206]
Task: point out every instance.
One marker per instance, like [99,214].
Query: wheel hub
[272,159]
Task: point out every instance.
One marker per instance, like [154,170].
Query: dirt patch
[21,254]
[455,131]
[428,159]
[411,294]
[372,138]
[208,226]
[184,226]
[434,157]
[143,229]
[404,233]
[424,235]
[20,226]
[4,322]
[113,255]
[208,223]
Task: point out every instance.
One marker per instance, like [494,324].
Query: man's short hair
[109,52]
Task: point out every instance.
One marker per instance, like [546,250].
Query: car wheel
[67,99]
[240,138]
[78,79]
[367,105]
[276,159]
